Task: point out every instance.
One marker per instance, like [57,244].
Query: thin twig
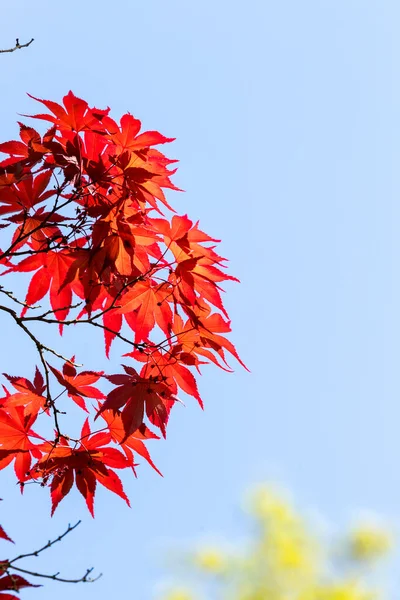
[9,565]
[14,299]
[49,544]
[39,345]
[41,349]
[55,577]
[17,46]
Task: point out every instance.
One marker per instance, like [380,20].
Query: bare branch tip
[17,46]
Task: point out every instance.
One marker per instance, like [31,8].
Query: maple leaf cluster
[83,208]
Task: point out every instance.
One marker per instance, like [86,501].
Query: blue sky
[287,122]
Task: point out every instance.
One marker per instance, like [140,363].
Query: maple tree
[82,211]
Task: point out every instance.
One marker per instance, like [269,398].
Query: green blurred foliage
[287,560]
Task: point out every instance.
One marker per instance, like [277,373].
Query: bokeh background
[287,122]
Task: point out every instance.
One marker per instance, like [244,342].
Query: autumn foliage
[82,212]
[286,557]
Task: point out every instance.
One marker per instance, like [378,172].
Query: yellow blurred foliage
[180,595]
[211,560]
[288,561]
[369,541]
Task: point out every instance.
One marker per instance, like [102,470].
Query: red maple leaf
[51,269]
[29,395]
[134,441]
[86,464]
[170,367]
[126,137]
[15,434]
[201,334]
[78,385]
[28,152]
[150,300]
[139,396]
[26,194]
[76,116]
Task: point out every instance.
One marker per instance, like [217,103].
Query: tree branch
[84,579]
[49,544]
[17,46]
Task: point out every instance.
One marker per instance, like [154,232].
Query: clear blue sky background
[287,123]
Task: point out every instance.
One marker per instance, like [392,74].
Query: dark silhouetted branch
[17,46]
[10,566]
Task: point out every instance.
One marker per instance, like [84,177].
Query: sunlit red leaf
[15,433]
[29,395]
[78,385]
[75,115]
[134,442]
[85,465]
[151,300]
[136,397]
